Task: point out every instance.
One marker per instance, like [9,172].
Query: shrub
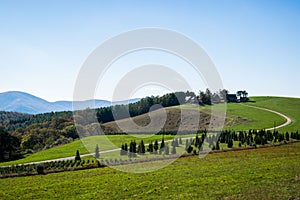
[230,143]
[97,153]
[189,149]
[40,169]
[77,157]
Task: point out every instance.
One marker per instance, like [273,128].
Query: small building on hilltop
[231,98]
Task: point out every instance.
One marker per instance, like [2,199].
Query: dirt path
[288,120]
[83,155]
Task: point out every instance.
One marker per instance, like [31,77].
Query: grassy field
[238,117]
[89,144]
[187,117]
[267,173]
[287,106]
[259,119]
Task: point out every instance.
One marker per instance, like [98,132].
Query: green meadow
[284,105]
[264,173]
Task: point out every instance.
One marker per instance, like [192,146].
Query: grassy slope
[285,105]
[90,144]
[238,117]
[269,173]
[259,119]
[175,119]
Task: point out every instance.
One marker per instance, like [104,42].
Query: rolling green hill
[173,119]
[84,145]
[238,117]
[285,105]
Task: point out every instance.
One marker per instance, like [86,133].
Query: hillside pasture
[265,173]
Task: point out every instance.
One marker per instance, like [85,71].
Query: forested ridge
[37,132]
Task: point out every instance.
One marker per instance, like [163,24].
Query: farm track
[83,155]
[288,119]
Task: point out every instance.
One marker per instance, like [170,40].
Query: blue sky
[255,45]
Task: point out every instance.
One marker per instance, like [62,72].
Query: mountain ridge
[22,102]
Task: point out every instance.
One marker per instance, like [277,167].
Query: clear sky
[255,45]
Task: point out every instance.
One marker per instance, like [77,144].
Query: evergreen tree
[197,141]
[191,141]
[217,146]
[180,140]
[240,144]
[187,144]
[176,142]
[97,153]
[201,147]
[287,136]
[132,149]
[280,137]
[141,148]
[150,147]
[125,147]
[173,149]
[230,143]
[162,144]
[189,149]
[203,136]
[155,146]
[77,157]
[167,151]
[123,152]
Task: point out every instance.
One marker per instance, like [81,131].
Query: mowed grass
[253,118]
[259,119]
[85,145]
[266,173]
[285,105]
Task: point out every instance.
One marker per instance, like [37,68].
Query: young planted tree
[162,144]
[287,136]
[187,144]
[122,152]
[167,151]
[230,143]
[197,141]
[77,157]
[176,142]
[132,149]
[173,149]
[141,148]
[155,146]
[97,153]
[217,146]
[150,148]
[40,169]
[180,140]
[189,149]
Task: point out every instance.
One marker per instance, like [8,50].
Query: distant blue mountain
[22,102]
